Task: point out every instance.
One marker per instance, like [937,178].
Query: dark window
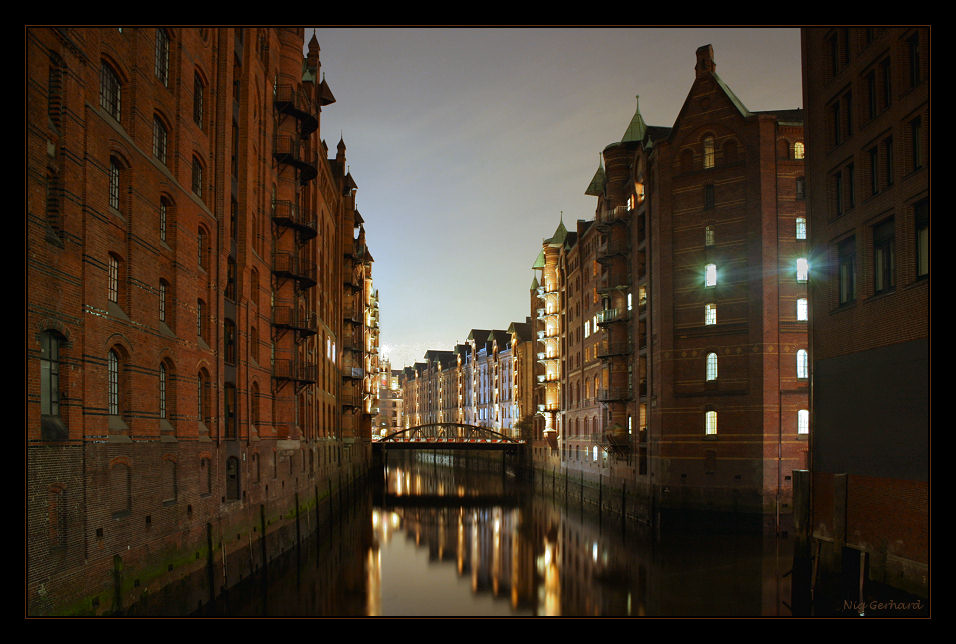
[160,140]
[871,90]
[913,43]
[163,376]
[709,196]
[229,341]
[888,161]
[921,214]
[231,279]
[50,374]
[883,256]
[916,128]
[114,184]
[110,91]
[850,186]
[197,177]
[113,383]
[801,188]
[199,96]
[232,478]
[874,163]
[846,257]
[229,403]
[887,86]
[162,56]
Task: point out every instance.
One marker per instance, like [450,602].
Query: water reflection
[451,536]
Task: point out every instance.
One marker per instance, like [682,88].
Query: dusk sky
[467,145]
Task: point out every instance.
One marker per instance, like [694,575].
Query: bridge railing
[448,433]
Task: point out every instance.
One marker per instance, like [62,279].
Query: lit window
[801,227]
[709,152]
[587,328]
[710,423]
[709,236]
[802,309]
[710,275]
[803,421]
[803,365]
[711,366]
[798,150]
[803,270]
[710,314]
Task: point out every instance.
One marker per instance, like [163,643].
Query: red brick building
[189,245]
[867,99]
[683,334]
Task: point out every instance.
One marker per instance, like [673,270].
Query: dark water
[451,538]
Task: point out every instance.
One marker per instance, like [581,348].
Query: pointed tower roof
[596,187]
[534,284]
[560,234]
[539,261]
[636,129]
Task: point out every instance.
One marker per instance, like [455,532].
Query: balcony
[610,316]
[353,373]
[292,151]
[298,371]
[294,102]
[288,317]
[292,266]
[611,349]
[613,217]
[288,214]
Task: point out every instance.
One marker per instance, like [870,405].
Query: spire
[636,129]
[560,234]
[596,187]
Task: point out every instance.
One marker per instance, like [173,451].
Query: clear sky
[468,144]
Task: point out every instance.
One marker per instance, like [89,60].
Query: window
[710,275]
[162,391]
[888,161]
[163,292]
[803,421]
[921,215]
[160,140]
[801,227]
[708,152]
[114,183]
[710,314]
[837,196]
[883,256]
[709,236]
[112,278]
[803,364]
[887,93]
[711,367]
[914,62]
[197,177]
[801,188]
[710,423]
[113,383]
[254,405]
[232,478]
[203,248]
[803,269]
[202,398]
[163,218]
[798,150]
[709,196]
[916,128]
[201,320]
[802,311]
[871,95]
[199,97]
[846,264]
[229,341]
[50,373]
[231,279]
[110,89]
[161,65]
[874,168]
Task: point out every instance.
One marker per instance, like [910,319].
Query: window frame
[803,364]
[111,91]
[846,270]
[884,256]
[161,58]
[711,363]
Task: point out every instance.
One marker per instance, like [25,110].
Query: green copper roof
[636,129]
[596,187]
[539,261]
[534,284]
[560,234]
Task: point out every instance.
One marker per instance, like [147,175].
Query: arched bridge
[447,436]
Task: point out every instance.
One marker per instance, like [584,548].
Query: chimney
[705,60]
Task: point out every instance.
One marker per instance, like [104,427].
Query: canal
[454,535]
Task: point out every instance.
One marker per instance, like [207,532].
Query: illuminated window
[710,275]
[798,150]
[803,421]
[710,314]
[711,366]
[803,364]
[801,227]
[709,152]
[803,270]
[710,423]
[802,314]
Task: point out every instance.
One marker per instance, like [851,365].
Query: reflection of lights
[594,552]
[395,520]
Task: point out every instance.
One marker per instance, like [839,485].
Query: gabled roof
[521,330]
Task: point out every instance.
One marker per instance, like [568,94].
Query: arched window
[798,150]
[110,91]
[254,344]
[710,423]
[708,152]
[803,365]
[199,98]
[115,174]
[710,313]
[113,400]
[161,65]
[160,139]
[201,321]
[711,366]
[197,175]
[164,214]
[163,384]
[163,296]
[802,311]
